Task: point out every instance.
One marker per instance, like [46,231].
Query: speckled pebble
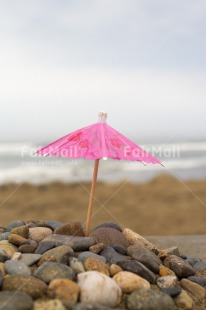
[51,270]
[14,224]
[180,267]
[39,233]
[59,254]
[109,237]
[130,282]
[65,290]
[95,264]
[166,281]
[29,259]
[10,300]
[13,267]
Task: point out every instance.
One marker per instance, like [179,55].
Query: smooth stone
[14,224]
[84,255]
[193,288]
[9,248]
[14,300]
[3,256]
[90,306]
[27,248]
[30,259]
[54,224]
[109,236]
[172,291]
[44,246]
[183,301]
[52,304]
[199,266]
[2,269]
[139,269]
[147,299]
[97,248]
[16,239]
[50,271]
[107,292]
[170,251]
[111,256]
[14,267]
[197,280]
[39,233]
[134,238]
[4,236]
[164,271]
[59,254]
[120,249]
[145,256]
[22,231]
[73,228]
[181,268]
[95,264]
[129,282]
[78,244]
[27,284]
[114,269]
[166,281]
[76,265]
[16,256]
[192,260]
[65,290]
[108,225]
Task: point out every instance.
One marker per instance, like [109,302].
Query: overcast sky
[142,61]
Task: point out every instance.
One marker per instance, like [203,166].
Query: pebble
[112,256]
[84,255]
[39,233]
[134,238]
[28,284]
[16,256]
[170,251]
[54,224]
[114,269]
[16,239]
[59,254]
[76,265]
[172,291]
[97,248]
[3,256]
[120,249]
[201,273]
[181,268]
[44,246]
[166,281]
[107,292]
[78,244]
[30,259]
[52,304]
[2,269]
[65,290]
[22,231]
[139,269]
[14,267]
[198,280]
[50,271]
[145,256]
[109,236]
[110,225]
[183,301]
[4,236]
[15,300]
[147,299]
[199,266]
[164,271]
[73,228]
[193,288]
[96,264]
[14,224]
[129,282]
[192,260]
[90,306]
[27,248]
[10,249]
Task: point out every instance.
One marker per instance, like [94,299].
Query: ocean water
[19,164]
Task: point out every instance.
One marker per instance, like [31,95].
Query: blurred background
[142,62]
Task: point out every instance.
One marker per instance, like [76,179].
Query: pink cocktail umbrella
[95,142]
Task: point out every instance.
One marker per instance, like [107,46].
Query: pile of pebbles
[52,265]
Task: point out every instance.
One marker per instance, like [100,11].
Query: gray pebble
[30,259]
[3,256]
[199,266]
[197,280]
[14,267]
[109,225]
[84,255]
[14,224]
[90,306]
[4,236]
[76,265]
[44,246]
[10,300]
[111,256]
[52,270]
[192,260]
[171,291]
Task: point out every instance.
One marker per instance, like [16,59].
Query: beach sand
[163,206]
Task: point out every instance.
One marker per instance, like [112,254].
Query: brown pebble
[97,248]
[114,269]
[16,239]
[193,288]
[27,248]
[164,271]
[73,228]
[22,231]
[65,290]
[95,264]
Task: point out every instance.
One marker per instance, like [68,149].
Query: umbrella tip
[102,116]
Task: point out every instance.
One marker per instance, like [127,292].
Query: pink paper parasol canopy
[95,142]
